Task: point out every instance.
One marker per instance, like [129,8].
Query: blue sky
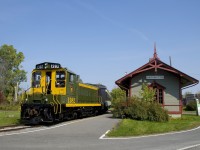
[102,39]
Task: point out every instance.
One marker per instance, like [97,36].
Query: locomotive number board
[48,66]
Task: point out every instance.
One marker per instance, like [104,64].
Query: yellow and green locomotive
[57,93]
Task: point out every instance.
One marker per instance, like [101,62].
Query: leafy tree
[118,93]
[147,94]
[118,99]
[11,72]
[3,66]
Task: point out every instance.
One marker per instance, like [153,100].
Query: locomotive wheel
[61,117]
[96,113]
[75,115]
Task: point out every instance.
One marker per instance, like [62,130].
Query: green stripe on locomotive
[87,94]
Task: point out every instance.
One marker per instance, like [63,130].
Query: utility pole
[170,61]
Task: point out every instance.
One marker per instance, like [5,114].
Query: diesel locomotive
[57,94]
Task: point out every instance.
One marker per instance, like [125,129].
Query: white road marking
[104,134]
[103,137]
[192,146]
[48,128]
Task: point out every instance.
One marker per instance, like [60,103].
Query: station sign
[159,77]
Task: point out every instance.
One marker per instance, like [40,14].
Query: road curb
[13,128]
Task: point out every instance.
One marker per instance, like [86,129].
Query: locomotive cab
[49,81]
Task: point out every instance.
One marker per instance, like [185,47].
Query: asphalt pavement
[88,134]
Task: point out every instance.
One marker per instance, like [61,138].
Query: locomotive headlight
[46,99]
[26,99]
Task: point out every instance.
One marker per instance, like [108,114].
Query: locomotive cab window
[36,78]
[60,79]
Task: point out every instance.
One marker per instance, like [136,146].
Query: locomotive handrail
[26,91]
[56,105]
[100,99]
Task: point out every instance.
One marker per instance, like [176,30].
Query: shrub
[144,108]
[118,108]
[157,113]
[2,98]
[191,106]
[136,110]
[10,107]
[140,110]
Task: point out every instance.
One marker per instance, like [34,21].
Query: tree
[118,93]
[147,94]
[118,98]
[11,72]
[3,66]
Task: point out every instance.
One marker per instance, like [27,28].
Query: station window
[159,95]
[60,78]
[36,78]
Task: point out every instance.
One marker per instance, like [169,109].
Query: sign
[198,107]
[159,77]
[48,66]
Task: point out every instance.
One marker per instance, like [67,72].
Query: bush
[191,106]
[140,110]
[118,108]
[144,108]
[136,110]
[10,107]
[157,113]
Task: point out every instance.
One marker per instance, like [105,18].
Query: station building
[167,81]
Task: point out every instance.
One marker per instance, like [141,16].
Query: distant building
[190,98]
[167,81]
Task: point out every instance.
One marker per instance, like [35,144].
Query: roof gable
[154,64]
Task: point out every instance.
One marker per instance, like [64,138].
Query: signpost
[198,107]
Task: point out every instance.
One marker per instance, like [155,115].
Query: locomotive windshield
[60,78]
[36,77]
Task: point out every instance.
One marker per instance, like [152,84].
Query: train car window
[60,79]
[36,78]
[71,78]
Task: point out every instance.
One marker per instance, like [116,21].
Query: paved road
[84,134]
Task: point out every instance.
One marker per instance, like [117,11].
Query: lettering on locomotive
[47,65]
[71,100]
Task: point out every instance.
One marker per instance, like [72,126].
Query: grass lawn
[9,118]
[128,127]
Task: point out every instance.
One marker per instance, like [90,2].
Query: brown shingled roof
[155,63]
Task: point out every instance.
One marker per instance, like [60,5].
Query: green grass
[128,127]
[9,118]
